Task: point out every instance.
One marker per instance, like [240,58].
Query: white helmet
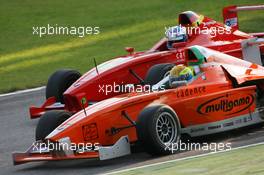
[176,34]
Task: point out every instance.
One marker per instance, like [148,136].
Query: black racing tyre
[49,121]
[59,82]
[262,59]
[157,127]
[260,94]
[157,72]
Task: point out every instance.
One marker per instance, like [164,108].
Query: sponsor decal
[90,132]
[228,124]
[191,91]
[197,130]
[180,56]
[248,119]
[214,127]
[226,104]
[231,22]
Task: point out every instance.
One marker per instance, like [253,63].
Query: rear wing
[231,17]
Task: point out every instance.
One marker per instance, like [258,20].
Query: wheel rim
[166,128]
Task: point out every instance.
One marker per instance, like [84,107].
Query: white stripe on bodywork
[223,125]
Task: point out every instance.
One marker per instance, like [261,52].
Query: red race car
[68,90]
[225,93]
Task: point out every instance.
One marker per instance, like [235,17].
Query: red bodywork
[118,70]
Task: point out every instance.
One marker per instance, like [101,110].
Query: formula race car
[226,93]
[68,90]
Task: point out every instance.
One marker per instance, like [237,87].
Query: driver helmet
[181,72]
[175,34]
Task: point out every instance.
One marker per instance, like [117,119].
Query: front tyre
[49,121]
[59,82]
[157,127]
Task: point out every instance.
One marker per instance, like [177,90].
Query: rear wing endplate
[231,17]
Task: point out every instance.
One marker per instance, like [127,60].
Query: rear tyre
[262,59]
[49,121]
[157,72]
[59,82]
[157,128]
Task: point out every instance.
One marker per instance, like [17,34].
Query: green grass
[238,162]
[27,60]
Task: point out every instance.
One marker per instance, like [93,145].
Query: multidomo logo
[226,105]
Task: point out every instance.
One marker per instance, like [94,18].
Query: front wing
[38,153]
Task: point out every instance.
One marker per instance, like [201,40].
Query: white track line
[22,91]
[185,158]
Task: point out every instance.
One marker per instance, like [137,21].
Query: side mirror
[180,44]
[130,50]
[176,84]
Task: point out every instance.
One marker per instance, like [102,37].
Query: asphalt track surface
[17,133]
